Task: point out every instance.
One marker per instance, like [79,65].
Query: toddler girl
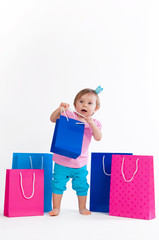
[86,103]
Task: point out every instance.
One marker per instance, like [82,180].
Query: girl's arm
[97,134]
[56,114]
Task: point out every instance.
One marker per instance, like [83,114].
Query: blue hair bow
[98,89]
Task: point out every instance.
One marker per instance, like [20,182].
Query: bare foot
[84,211]
[54,212]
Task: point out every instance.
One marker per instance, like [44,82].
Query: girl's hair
[85,91]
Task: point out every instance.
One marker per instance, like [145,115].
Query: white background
[49,50]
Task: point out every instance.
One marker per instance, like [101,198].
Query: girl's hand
[96,131]
[64,106]
[56,114]
[89,120]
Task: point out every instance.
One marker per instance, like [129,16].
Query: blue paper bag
[37,161]
[100,181]
[68,137]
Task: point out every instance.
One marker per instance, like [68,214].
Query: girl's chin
[84,113]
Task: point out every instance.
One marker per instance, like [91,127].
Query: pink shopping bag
[24,192]
[132,187]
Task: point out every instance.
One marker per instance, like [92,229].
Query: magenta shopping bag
[24,192]
[132,187]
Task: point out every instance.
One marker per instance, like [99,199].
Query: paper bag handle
[73,115]
[21,185]
[108,174]
[122,166]
[31,162]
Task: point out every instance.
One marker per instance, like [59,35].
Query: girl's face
[86,104]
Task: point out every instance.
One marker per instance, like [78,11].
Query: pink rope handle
[122,166]
[21,185]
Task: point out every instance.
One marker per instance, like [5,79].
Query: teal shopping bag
[37,161]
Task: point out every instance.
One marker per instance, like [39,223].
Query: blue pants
[63,174]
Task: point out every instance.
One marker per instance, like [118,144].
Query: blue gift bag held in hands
[68,137]
[100,181]
[37,161]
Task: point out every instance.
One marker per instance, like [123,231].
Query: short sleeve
[98,123]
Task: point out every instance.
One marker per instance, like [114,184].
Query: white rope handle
[71,112]
[42,163]
[108,174]
[122,166]
[76,112]
[31,162]
[21,185]
[63,110]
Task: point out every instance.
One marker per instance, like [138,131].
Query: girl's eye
[89,103]
[81,101]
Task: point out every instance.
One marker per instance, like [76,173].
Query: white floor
[71,225]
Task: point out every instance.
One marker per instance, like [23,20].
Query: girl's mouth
[83,110]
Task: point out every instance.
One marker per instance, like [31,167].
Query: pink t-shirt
[83,158]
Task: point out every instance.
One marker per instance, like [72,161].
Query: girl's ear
[96,109]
